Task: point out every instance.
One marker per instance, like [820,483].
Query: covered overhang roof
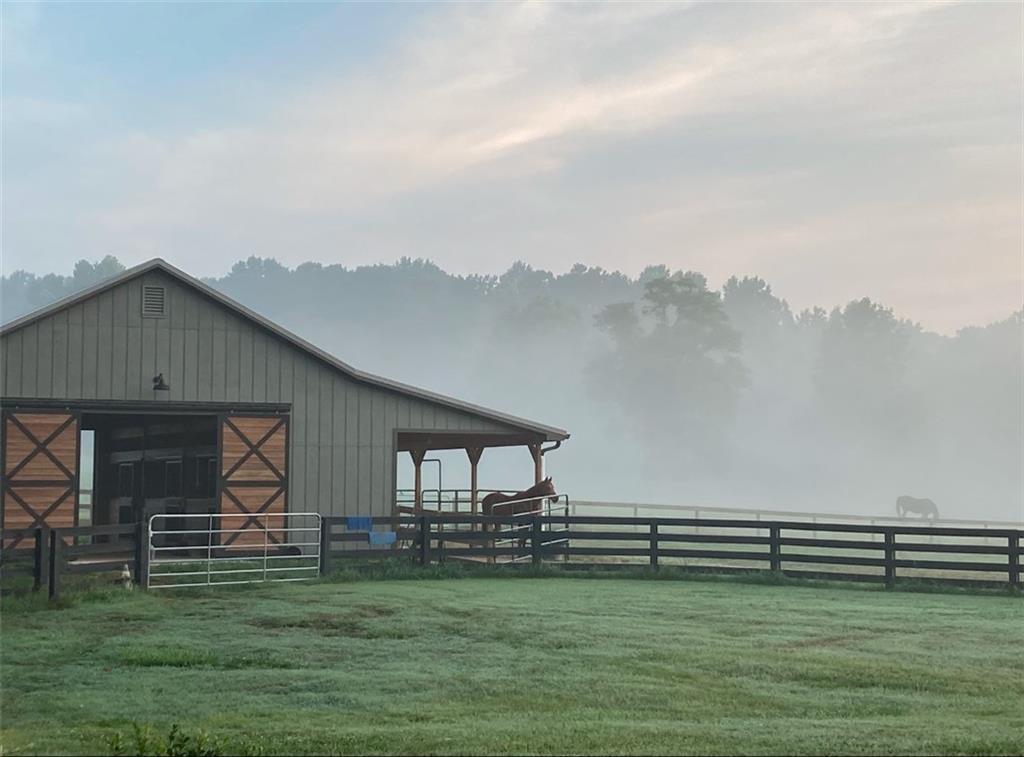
[542,431]
[439,440]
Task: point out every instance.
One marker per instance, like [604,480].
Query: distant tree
[861,369]
[22,292]
[753,309]
[673,369]
[802,407]
[87,274]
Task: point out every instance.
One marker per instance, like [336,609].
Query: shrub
[144,743]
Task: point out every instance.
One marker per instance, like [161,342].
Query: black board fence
[850,551]
[57,552]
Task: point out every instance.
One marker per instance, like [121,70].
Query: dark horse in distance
[923,507]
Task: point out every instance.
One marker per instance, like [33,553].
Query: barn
[194,403]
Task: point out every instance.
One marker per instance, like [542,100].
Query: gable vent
[153,302]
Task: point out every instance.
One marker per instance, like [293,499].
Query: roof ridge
[282,333]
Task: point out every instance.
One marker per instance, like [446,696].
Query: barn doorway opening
[86,474]
[145,465]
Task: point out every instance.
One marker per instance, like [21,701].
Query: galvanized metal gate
[205,550]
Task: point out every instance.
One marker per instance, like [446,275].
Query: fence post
[1013,545]
[55,549]
[654,545]
[325,546]
[142,564]
[890,557]
[535,540]
[775,548]
[140,547]
[424,540]
[41,572]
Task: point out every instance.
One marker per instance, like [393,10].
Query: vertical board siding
[29,357]
[351,504]
[44,356]
[259,368]
[12,364]
[244,364]
[190,365]
[104,344]
[341,437]
[60,352]
[90,361]
[119,369]
[272,376]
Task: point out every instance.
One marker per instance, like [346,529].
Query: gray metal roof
[551,433]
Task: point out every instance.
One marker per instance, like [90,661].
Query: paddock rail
[847,551]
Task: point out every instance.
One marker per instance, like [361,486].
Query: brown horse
[528,501]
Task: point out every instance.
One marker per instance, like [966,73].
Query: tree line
[674,390]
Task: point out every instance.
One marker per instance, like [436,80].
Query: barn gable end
[106,345]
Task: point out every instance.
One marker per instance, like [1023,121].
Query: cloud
[557,132]
[509,88]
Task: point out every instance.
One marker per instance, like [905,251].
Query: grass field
[522,665]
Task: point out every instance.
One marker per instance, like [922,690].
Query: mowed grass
[524,665]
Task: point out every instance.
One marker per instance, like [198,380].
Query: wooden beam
[417,456]
[538,463]
[474,454]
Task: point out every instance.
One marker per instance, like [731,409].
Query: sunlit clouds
[839,150]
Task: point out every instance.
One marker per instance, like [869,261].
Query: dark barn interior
[145,465]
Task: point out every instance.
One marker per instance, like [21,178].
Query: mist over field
[675,389]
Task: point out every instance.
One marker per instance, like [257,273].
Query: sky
[837,150]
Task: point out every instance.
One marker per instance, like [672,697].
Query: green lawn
[515,665]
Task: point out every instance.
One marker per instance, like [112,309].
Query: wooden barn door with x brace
[254,478]
[40,473]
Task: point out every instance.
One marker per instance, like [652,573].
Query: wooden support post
[538,463]
[417,456]
[1014,553]
[535,534]
[474,454]
[424,526]
[41,570]
[654,545]
[325,546]
[55,549]
[890,557]
[775,548]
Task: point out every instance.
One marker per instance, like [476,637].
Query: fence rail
[853,551]
[459,500]
[636,508]
[754,545]
[57,552]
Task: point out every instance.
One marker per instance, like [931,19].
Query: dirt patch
[375,611]
[331,625]
[460,612]
[827,641]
